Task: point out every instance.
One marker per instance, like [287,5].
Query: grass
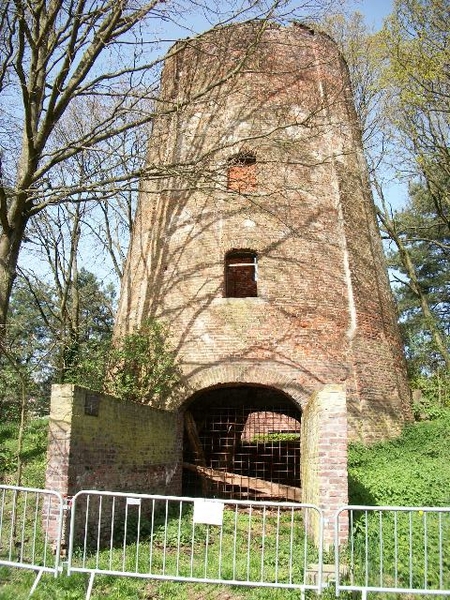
[242,560]
[253,544]
[15,585]
[411,470]
[33,455]
[401,549]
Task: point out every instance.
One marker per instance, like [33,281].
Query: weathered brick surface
[324,312]
[125,447]
[324,458]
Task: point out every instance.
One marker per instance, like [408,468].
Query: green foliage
[142,366]
[432,395]
[90,368]
[275,437]
[8,461]
[23,356]
[414,42]
[40,348]
[394,544]
[82,357]
[412,470]
[425,236]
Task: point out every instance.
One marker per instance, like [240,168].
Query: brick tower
[256,239]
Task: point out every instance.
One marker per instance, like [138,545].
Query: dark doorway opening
[242,442]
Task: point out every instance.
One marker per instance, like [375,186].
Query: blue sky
[195,20]
[374,10]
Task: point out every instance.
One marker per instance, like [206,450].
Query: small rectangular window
[241,274]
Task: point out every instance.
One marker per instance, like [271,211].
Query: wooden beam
[196,445]
[261,486]
[194,439]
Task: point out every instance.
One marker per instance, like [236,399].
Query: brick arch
[244,374]
[228,431]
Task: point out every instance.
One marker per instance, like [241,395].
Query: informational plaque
[133,501]
[208,512]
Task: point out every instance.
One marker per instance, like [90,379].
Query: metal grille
[245,445]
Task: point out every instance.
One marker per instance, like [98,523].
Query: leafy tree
[34,346]
[24,356]
[426,239]
[23,372]
[360,47]
[84,359]
[416,47]
[416,53]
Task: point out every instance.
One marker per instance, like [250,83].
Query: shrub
[142,367]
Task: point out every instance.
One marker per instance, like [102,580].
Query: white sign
[133,501]
[209,512]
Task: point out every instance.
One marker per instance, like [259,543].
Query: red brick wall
[242,178]
[324,312]
[324,459]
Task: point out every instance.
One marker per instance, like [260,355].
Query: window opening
[242,172]
[241,274]
[242,159]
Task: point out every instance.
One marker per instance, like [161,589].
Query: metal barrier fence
[185,539]
[394,549]
[28,519]
[269,544]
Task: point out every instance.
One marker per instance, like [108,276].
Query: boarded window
[241,274]
[242,172]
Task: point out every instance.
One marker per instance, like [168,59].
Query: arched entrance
[242,441]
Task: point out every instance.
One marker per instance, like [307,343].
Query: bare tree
[55,54]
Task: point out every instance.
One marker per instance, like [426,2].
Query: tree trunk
[430,320]
[10,242]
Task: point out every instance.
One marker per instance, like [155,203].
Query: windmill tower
[256,240]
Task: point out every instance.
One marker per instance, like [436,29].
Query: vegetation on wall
[142,367]
[264,438]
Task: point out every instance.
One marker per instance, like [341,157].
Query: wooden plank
[194,439]
[196,445]
[261,486]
